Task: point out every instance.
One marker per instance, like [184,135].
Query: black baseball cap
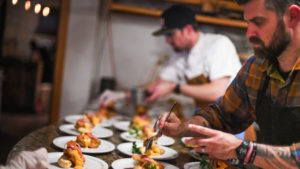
[175,17]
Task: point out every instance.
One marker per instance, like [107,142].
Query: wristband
[241,150]
[253,155]
[177,88]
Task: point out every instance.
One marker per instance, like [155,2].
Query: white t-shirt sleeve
[223,59]
[170,72]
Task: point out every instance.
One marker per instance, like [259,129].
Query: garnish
[133,130]
[135,149]
[205,163]
[149,166]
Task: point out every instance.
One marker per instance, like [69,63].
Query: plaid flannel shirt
[235,111]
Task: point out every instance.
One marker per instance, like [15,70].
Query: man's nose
[251,31]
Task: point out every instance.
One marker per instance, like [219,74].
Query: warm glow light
[46,11]
[37,8]
[14,2]
[27,5]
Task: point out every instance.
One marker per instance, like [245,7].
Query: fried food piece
[83,125]
[88,140]
[155,150]
[92,118]
[145,162]
[72,155]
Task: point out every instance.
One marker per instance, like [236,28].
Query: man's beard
[278,43]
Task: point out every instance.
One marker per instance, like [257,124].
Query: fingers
[197,142]
[202,130]
[151,98]
[103,97]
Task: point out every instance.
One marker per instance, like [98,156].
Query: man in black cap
[201,67]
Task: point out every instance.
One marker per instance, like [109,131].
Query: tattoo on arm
[274,157]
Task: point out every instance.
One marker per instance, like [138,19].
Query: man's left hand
[217,144]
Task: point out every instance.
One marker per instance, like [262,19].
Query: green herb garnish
[135,149]
[205,163]
[150,166]
[133,130]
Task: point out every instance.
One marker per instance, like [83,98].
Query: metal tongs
[159,133]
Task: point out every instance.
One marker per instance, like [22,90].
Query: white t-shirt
[213,56]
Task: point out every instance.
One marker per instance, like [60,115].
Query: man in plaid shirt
[266,90]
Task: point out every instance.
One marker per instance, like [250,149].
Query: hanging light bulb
[27,5]
[37,8]
[46,11]
[14,2]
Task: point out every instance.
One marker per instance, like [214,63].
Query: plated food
[126,148]
[83,125]
[104,147]
[88,140]
[126,163]
[72,156]
[73,119]
[90,162]
[163,140]
[98,131]
[145,162]
[154,150]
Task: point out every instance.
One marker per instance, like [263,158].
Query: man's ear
[293,16]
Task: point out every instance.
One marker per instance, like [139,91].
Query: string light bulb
[27,5]
[46,11]
[37,8]
[14,2]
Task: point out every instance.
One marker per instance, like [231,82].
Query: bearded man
[266,90]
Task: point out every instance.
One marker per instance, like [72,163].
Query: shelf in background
[157,13]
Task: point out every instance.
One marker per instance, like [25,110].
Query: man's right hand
[172,127]
[111,96]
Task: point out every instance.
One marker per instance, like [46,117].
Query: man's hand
[111,96]
[217,143]
[172,127]
[161,89]
[28,160]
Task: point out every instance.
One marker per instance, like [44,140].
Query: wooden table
[43,138]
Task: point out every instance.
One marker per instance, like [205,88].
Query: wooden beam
[157,13]
[222,3]
[59,60]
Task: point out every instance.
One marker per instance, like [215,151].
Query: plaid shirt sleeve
[233,112]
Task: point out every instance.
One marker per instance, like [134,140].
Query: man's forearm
[209,92]
[274,157]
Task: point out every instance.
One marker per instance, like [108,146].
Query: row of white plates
[106,146]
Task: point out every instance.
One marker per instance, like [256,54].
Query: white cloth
[28,160]
[213,56]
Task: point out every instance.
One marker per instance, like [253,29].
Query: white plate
[184,138]
[122,125]
[192,165]
[90,162]
[98,131]
[73,119]
[195,154]
[163,140]
[104,147]
[129,163]
[169,153]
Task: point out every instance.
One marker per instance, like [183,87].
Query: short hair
[278,6]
